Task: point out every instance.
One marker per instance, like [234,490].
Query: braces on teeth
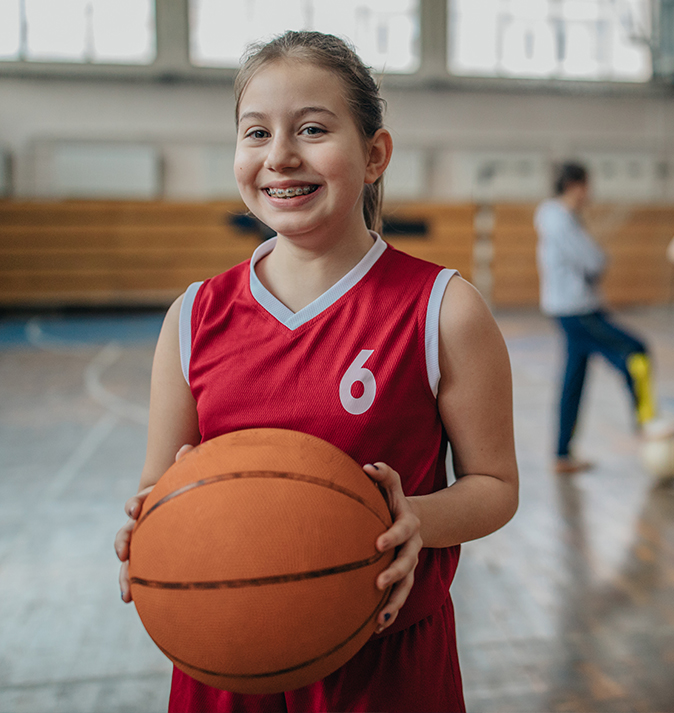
[290,192]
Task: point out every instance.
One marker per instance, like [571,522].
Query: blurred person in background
[571,265]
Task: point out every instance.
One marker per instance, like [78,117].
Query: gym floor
[570,607]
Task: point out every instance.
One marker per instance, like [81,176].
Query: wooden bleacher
[634,237]
[105,253]
[450,233]
[513,267]
[113,252]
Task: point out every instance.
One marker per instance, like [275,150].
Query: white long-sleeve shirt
[570,263]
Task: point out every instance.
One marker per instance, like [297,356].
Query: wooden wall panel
[126,252]
[114,252]
[634,237]
[513,267]
[450,238]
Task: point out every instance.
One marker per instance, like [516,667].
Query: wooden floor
[569,608]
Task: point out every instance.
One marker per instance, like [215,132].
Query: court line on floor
[115,407]
[94,438]
[93,374]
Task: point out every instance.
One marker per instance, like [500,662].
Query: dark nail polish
[122,593]
[375,467]
[387,616]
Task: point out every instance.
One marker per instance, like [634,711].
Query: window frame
[172,63]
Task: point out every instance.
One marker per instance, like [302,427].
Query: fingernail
[132,510]
[387,616]
[122,593]
[375,467]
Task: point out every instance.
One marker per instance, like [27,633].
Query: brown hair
[362,93]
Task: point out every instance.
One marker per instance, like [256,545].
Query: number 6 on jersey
[357,405]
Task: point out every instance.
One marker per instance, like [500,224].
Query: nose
[282,154]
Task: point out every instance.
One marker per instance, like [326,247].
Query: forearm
[474,506]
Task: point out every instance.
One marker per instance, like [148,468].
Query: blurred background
[116,191]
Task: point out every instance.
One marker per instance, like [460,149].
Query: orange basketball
[253,563]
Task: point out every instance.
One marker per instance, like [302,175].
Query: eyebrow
[296,115]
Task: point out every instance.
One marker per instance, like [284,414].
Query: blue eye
[257,134]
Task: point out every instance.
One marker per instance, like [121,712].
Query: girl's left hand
[403,534]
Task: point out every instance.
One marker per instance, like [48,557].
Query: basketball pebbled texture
[253,563]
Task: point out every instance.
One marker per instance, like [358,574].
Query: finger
[184,450]
[381,473]
[398,597]
[405,562]
[385,619]
[124,582]
[122,539]
[134,504]
[405,527]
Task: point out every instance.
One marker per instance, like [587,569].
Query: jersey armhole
[432,340]
[185,328]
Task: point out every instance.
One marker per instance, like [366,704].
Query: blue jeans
[585,335]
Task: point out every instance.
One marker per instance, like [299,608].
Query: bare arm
[475,402]
[173,411]
[173,424]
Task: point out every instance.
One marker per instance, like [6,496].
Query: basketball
[253,562]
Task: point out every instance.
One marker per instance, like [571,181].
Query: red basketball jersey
[358,368]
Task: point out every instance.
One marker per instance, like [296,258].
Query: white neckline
[293,320]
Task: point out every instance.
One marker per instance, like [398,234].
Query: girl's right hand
[133,509]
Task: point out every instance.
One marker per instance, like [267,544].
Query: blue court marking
[79,330]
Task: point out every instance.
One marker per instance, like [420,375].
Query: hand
[404,535]
[133,509]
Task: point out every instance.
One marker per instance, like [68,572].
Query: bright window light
[117,31]
[10,30]
[560,39]
[385,32]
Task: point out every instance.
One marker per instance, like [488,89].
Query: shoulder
[408,266]
[551,212]
[463,307]
[234,275]
[212,291]
[467,326]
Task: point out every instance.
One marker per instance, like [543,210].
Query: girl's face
[301,162]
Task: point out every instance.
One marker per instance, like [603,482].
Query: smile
[290,192]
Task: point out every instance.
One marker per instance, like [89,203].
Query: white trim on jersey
[293,320]
[185,328]
[433,328]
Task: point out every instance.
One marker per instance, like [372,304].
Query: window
[385,32]
[564,39]
[117,31]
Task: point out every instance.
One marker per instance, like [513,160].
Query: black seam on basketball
[290,669]
[261,474]
[259,581]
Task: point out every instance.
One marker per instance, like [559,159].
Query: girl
[330,331]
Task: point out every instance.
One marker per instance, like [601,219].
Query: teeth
[290,192]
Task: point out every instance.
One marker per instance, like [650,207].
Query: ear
[379,155]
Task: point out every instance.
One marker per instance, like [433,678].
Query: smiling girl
[330,331]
